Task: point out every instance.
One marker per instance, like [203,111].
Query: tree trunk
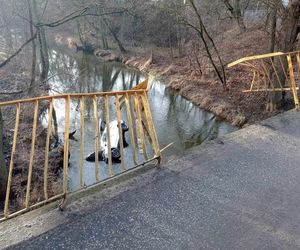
[238,16]
[272,21]
[3,169]
[55,128]
[210,47]
[79,32]
[236,13]
[44,56]
[273,26]
[103,32]
[178,37]
[33,64]
[113,33]
[289,29]
[288,35]
[100,27]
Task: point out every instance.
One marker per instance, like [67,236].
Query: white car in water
[114,142]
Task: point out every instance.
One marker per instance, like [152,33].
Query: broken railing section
[140,126]
[274,72]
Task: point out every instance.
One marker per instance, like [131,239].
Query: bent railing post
[11,165]
[66,145]
[46,165]
[284,73]
[36,109]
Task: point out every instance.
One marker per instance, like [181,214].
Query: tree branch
[229,7]
[76,14]
[65,19]
[18,51]
[13,93]
[203,33]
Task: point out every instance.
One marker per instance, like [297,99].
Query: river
[176,120]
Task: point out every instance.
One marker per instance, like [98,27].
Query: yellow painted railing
[140,128]
[274,72]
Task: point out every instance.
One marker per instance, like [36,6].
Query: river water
[176,120]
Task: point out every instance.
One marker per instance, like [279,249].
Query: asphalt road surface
[239,192]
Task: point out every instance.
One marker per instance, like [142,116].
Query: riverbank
[203,89]
[13,87]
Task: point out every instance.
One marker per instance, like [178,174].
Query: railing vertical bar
[267,72]
[130,126]
[151,124]
[66,145]
[35,119]
[82,131]
[298,61]
[111,173]
[265,75]
[255,74]
[119,118]
[140,126]
[96,131]
[253,80]
[283,68]
[292,79]
[135,118]
[276,73]
[46,166]
[147,111]
[13,151]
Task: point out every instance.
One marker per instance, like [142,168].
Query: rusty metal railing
[140,129]
[274,72]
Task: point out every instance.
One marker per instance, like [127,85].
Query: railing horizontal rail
[263,56]
[63,96]
[273,72]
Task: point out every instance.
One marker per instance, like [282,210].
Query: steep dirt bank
[182,74]
[15,86]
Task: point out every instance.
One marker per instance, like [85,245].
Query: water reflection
[85,73]
[176,119]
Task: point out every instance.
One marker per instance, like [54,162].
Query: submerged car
[114,142]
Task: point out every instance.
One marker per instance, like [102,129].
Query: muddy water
[176,119]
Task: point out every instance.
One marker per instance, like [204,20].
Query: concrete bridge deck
[239,192]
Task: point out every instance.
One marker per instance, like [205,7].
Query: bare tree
[209,44]
[235,9]
[31,88]
[114,34]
